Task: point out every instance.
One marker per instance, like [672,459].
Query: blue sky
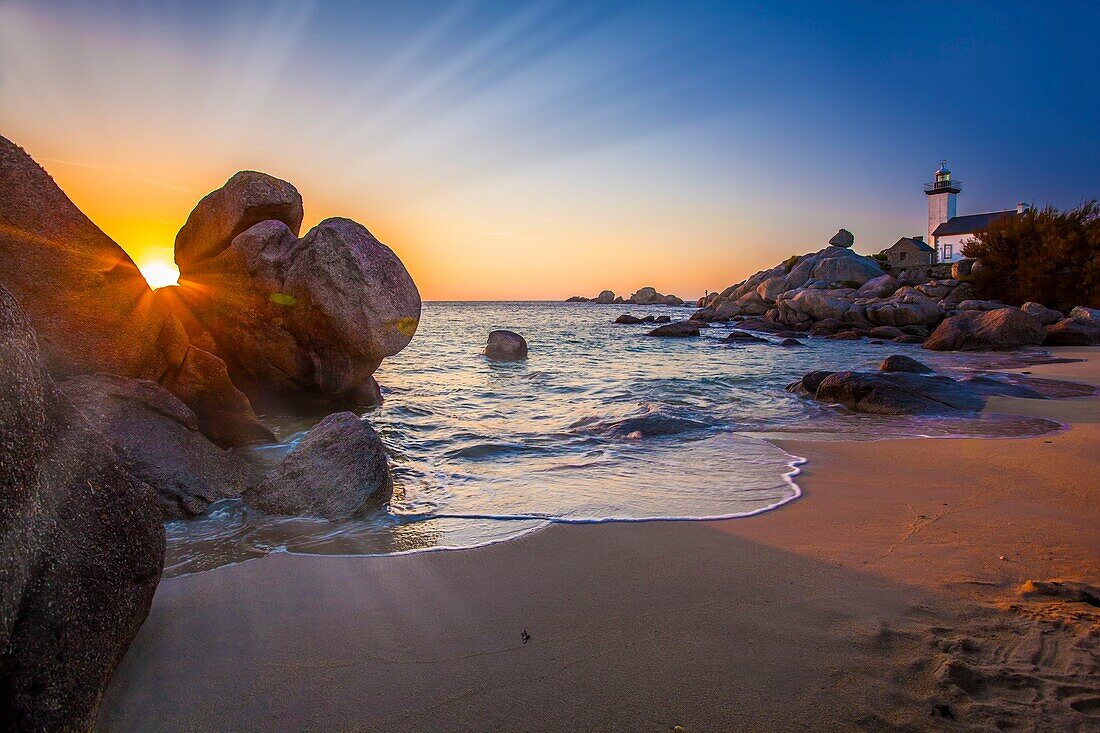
[682,145]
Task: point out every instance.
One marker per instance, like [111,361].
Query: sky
[515,150]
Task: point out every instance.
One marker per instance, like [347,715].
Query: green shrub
[1046,256]
[789,263]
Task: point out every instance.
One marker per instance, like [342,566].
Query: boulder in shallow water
[157,439]
[678,329]
[506,346]
[1003,329]
[628,319]
[81,547]
[742,337]
[790,342]
[339,470]
[902,363]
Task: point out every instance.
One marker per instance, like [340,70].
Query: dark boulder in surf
[905,393]
[628,319]
[506,346]
[742,337]
[1073,332]
[680,329]
[81,547]
[339,470]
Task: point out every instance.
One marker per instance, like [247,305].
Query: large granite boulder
[842,238]
[247,198]
[810,305]
[156,437]
[308,318]
[605,297]
[91,308]
[1072,332]
[505,346]
[1046,316]
[339,470]
[81,547]
[646,295]
[1003,329]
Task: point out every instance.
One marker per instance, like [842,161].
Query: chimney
[1022,207]
[919,238]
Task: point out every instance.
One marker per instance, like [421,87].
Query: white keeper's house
[948,232]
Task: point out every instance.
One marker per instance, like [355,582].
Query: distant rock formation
[644,296]
[838,293]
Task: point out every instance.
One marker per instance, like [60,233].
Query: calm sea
[601,423]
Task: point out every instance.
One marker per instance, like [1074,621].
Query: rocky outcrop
[91,308]
[506,346]
[644,296]
[628,319]
[1002,329]
[339,470]
[156,437]
[81,547]
[605,297]
[308,318]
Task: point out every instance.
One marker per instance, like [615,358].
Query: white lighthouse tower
[941,192]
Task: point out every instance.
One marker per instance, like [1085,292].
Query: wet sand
[887,598]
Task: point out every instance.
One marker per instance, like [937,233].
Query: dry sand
[885,599]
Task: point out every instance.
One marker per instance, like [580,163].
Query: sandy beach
[887,598]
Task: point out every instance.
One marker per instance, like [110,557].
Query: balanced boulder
[506,346]
[842,238]
[338,471]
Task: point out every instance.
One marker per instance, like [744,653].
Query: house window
[948,252]
[901,255]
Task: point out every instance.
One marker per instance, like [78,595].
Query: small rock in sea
[908,339]
[790,342]
[679,329]
[628,319]
[663,319]
[844,336]
[649,319]
[902,363]
[506,346]
[742,337]
[876,341]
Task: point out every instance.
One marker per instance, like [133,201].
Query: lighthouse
[941,192]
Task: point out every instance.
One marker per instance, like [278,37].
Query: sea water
[600,423]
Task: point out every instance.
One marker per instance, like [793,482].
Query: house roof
[918,243]
[970,222]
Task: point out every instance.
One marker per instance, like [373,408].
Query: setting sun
[159,274]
